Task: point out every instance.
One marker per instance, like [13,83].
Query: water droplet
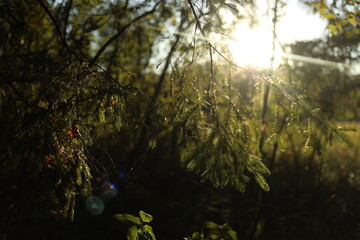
[94,205]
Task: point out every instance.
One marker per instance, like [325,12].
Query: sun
[253,47]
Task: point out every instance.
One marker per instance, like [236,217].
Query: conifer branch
[289,96]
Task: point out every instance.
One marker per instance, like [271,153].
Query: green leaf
[213,236]
[152,144]
[352,19]
[329,16]
[149,231]
[133,233]
[332,28]
[145,217]
[211,225]
[196,235]
[127,218]
[232,234]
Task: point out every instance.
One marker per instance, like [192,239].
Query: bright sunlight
[254,46]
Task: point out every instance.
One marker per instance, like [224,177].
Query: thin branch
[66,17]
[196,18]
[211,83]
[267,87]
[163,74]
[58,30]
[120,32]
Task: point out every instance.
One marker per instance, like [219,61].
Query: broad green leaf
[197,235]
[133,233]
[145,217]
[232,234]
[127,218]
[149,231]
[211,225]
[213,236]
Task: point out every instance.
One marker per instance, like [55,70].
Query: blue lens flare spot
[109,189]
[94,205]
[122,174]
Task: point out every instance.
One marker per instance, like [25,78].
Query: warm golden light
[253,47]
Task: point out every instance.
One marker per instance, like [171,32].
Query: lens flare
[109,189]
[122,174]
[94,205]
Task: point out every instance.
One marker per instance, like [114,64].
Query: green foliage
[139,228]
[132,233]
[343,16]
[146,218]
[214,231]
[127,218]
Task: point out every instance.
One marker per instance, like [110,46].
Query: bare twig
[198,24]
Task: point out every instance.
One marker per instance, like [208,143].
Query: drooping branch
[163,74]
[143,140]
[267,87]
[288,95]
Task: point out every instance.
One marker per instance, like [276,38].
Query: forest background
[113,107]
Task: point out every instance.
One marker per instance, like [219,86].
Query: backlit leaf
[149,231]
[332,28]
[127,218]
[145,217]
[133,233]
[352,19]
[211,225]
[232,234]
